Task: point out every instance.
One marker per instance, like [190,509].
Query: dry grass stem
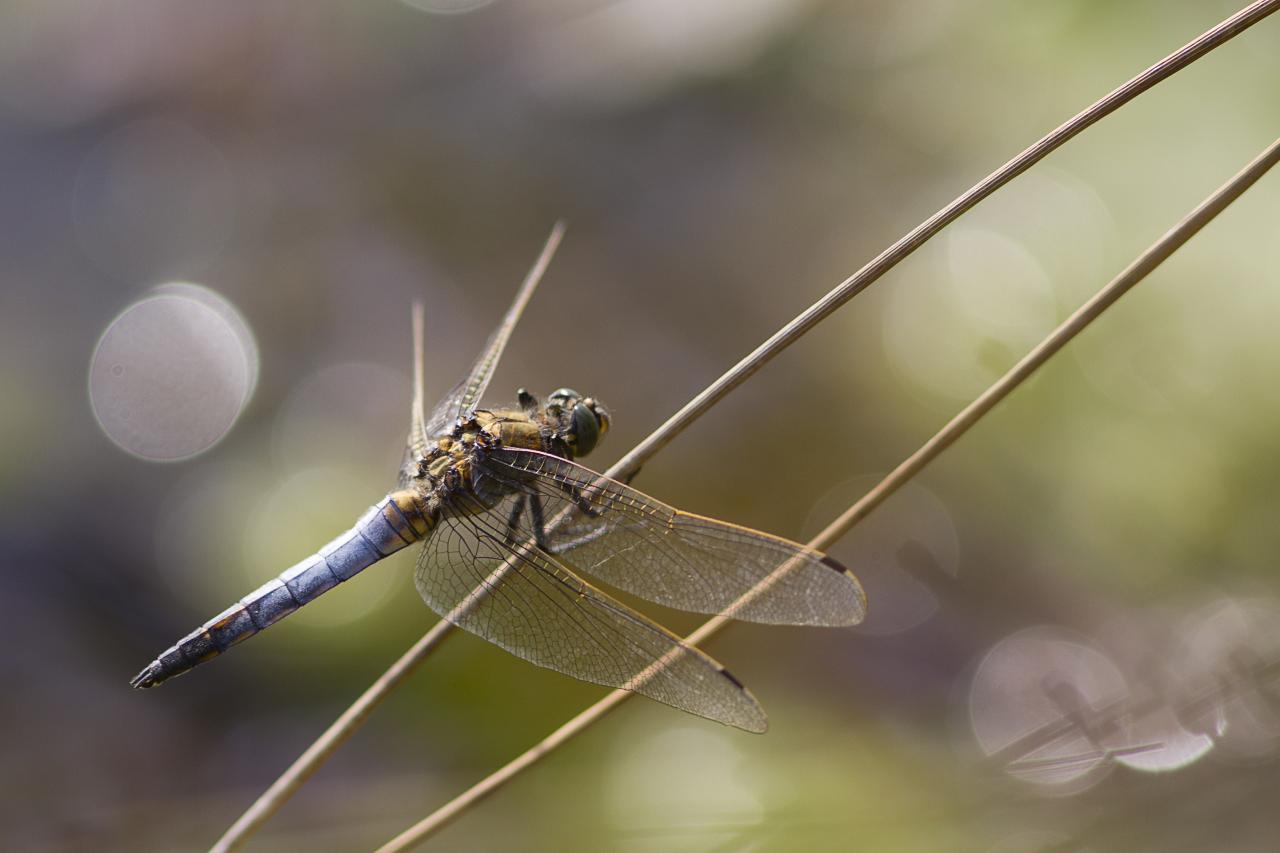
[922,233]
[283,788]
[316,754]
[944,438]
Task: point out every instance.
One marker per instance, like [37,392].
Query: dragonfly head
[581,421]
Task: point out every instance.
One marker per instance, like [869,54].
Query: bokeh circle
[172,373]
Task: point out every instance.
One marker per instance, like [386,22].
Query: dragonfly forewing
[474,573]
[689,562]
[417,445]
[466,395]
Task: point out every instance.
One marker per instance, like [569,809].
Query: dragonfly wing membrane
[416,446]
[690,562]
[466,395]
[510,593]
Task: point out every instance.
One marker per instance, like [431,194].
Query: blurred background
[214,219]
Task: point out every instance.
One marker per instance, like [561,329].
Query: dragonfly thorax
[569,425]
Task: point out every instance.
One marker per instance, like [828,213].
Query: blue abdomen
[394,523]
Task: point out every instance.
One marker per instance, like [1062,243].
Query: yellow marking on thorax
[442,463]
[508,427]
[512,428]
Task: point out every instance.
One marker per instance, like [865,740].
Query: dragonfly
[510,523]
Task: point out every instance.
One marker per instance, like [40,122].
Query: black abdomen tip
[149,677]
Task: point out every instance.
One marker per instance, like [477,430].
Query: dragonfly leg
[513,520]
[527,402]
[540,534]
[579,501]
[569,544]
[539,522]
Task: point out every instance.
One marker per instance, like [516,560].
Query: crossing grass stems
[292,779]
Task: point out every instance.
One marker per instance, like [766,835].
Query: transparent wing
[524,601]
[466,395]
[416,447]
[686,561]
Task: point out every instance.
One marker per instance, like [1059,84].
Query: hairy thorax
[449,466]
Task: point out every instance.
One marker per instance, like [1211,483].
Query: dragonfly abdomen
[395,522]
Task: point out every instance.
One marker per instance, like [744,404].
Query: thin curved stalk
[930,450]
[922,233]
[310,760]
[628,465]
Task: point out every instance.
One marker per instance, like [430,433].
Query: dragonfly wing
[526,602]
[466,395]
[416,447]
[682,560]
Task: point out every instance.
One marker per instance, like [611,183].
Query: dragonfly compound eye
[586,429]
[563,397]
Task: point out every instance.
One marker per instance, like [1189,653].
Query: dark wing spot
[729,675]
[833,563]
